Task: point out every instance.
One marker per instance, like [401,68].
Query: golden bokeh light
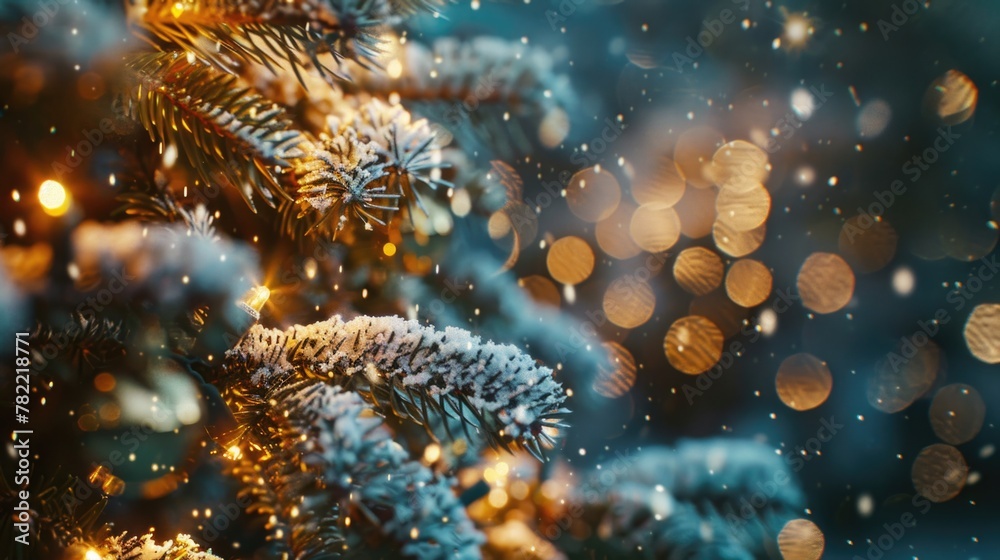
[957,413]
[939,472]
[867,244]
[982,332]
[554,128]
[693,154]
[613,233]
[898,381]
[952,97]
[541,289]
[629,302]
[698,270]
[798,29]
[570,260]
[54,198]
[743,210]
[27,265]
[739,166]
[738,243]
[655,227]
[617,376]
[801,539]
[663,184]
[693,344]
[593,195]
[825,283]
[697,212]
[803,382]
[748,282]
[105,382]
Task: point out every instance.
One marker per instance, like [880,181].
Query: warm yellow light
[432,453]
[389,249]
[53,197]
[394,69]
[497,498]
[92,555]
[253,301]
[798,28]
[234,452]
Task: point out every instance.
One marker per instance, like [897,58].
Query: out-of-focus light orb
[768,322]
[805,176]
[92,555]
[743,210]
[825,283]
[698,270]
[873,118]
[394,69]
[957,413]
[693,154]
[798,29]
[803,382]
[737,243]
[895,385]
[748,282]
[982,332]
[866,505]
[801,539]
[629,302]
[803,103]
[659,182]
[903,281]
[461,203]
[952,97]
[740,166]
[693,344]
[593,194]
[655,227]
[867,244]
[939,472]
[541,289]
[554,128]
[617,376]
[570,260]
[53,197]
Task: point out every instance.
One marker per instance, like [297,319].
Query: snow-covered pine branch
[408,369]
[343,484]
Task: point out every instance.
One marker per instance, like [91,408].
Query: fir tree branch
[373,157]
[210,116]
[345,487]
[300,34]
[58,517]
[412,371]
[484,91]
[123,547]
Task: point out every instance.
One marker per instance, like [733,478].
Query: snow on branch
[411,370]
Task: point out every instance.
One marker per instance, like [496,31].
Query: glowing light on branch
[253,301]
[54,198]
